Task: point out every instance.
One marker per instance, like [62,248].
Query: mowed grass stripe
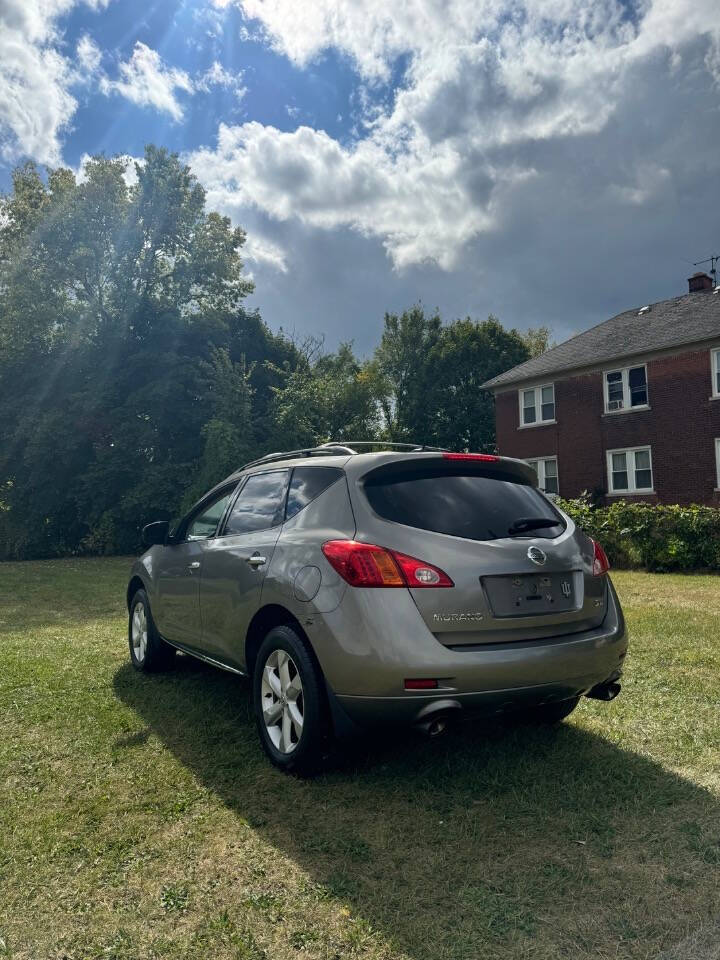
[139,818]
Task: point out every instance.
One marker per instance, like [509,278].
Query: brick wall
[680,427]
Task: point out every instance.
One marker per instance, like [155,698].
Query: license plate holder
[533,594]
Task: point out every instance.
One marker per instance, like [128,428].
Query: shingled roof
[670,323]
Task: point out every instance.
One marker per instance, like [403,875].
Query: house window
[630,471]
[547,473]
[715,367]
[625,389]
[537,405]
[717,461]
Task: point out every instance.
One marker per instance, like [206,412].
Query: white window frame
[625,373]
[538,406]
[631,489]
[717,462]
[714,371]
[541,475]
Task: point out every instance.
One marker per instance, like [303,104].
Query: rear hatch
[521,570]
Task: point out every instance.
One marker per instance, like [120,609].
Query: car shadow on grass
[496,840]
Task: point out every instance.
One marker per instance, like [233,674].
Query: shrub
[656,538]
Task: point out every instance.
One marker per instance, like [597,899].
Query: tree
[132,377]
[326,397]
[467,354]
[123,378]
[427,378]
[537,340]
[401,373]
[228,435]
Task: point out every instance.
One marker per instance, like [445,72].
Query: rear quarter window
[307,484]
[469,505]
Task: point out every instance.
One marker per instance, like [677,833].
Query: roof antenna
[713,268]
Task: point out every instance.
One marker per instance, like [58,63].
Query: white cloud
[259,249]
[36,79]
[148,82]
[88,54]
[490,88]
[414,203]
[218,76]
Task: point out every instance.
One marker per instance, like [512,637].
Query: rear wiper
[524,524]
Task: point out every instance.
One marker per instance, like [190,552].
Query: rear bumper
[369,712]
[366,672]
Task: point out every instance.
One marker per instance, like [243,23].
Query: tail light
[367,565]
[601,564]
[417,573]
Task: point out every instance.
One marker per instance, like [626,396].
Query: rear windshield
[469,505]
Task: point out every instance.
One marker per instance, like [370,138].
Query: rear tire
[549,714]
[290,703]
[148,651]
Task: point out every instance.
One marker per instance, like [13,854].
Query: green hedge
[642,536]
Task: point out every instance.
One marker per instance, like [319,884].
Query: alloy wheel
[139,632]
[281,693]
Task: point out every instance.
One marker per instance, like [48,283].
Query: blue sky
[193,38]
[549,161]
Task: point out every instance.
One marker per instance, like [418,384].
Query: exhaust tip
[604,691]
[434,727]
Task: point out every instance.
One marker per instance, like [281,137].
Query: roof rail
[340,448]
[383,445]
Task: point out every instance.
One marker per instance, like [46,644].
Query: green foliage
[325,397]
[132,378]
[537,340]
[656,538]
[428,375]
[123,374]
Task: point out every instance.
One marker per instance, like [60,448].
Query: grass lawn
[138,817]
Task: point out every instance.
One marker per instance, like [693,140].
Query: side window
[537,405]
[261,503]
[630,470]
[308,483]
[205,523]
[546,469]
[625,389]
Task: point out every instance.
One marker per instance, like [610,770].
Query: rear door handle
[195,565]
[256,560]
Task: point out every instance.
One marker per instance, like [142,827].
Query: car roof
[357,458]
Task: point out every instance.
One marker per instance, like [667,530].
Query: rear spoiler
[454,464]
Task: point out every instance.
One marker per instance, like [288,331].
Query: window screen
[308,483]
[472,506]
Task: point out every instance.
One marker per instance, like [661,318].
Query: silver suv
[406,585]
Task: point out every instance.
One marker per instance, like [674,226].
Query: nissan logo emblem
[536,555]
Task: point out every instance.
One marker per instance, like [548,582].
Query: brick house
[630,408]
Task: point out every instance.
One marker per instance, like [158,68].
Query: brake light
[421,684]
[367,565]
[601,564]
[363,564]
[477,457]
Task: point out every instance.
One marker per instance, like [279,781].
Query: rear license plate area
[533,594]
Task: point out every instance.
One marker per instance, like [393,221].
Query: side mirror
[155,533]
